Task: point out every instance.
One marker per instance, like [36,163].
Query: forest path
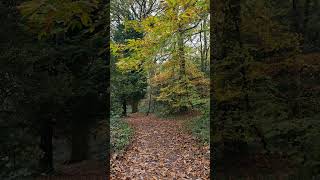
[161,150]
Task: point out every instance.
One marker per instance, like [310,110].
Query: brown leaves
[161,150]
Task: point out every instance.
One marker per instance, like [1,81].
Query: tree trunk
[46,162]
[231,27]
[295,16]
[80,144]
[149,104]
[135,105]
[245,88]
[305,21]
[216,21]
[181,56]
[201,52]
[151,74]
[124,107]
[262,138]
[154,106]
[230,42]
[205,46]
[306,15]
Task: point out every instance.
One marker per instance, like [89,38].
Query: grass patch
[121,134]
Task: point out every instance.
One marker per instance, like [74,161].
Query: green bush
[200,125]
[201,128]
[121,134]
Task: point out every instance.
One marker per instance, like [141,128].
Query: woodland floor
[161,149]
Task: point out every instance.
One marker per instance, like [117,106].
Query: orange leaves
[161,78]
[176,92]
[170,72]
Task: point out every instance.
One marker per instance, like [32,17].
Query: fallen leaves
[161,150]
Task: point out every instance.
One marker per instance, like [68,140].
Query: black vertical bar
[212,154]
[107,57]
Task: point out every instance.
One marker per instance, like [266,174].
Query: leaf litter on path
[161,150]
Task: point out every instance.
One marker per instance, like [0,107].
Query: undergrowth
[200,128]
[120,135]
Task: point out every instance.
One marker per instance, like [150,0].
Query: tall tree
[165,36]
[76,28]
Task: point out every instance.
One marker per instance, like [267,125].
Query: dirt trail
[161,150]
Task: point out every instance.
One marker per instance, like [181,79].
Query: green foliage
[200,126]
[165,33]
[128,86]
[121,134]
[180,94]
